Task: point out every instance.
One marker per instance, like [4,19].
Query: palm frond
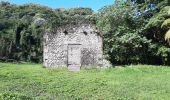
[167,36]
[166,23]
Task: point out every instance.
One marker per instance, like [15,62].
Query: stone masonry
[63,46]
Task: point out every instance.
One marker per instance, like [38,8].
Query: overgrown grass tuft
[31,81]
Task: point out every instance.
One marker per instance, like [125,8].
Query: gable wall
[55,46]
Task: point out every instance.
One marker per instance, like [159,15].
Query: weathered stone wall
[55,45]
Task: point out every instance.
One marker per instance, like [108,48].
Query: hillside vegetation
[134,31]
[22,28]
[31,81]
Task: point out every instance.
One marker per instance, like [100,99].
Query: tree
[166,24]
[132,32]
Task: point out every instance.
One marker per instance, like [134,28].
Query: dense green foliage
[134,32]
[22,28]
[31,81]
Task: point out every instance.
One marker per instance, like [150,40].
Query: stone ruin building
[73,46]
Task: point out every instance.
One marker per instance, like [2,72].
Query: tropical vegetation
[134,31]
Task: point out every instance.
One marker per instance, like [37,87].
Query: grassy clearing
[31,81]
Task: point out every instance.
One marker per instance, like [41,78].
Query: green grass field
[31,81]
